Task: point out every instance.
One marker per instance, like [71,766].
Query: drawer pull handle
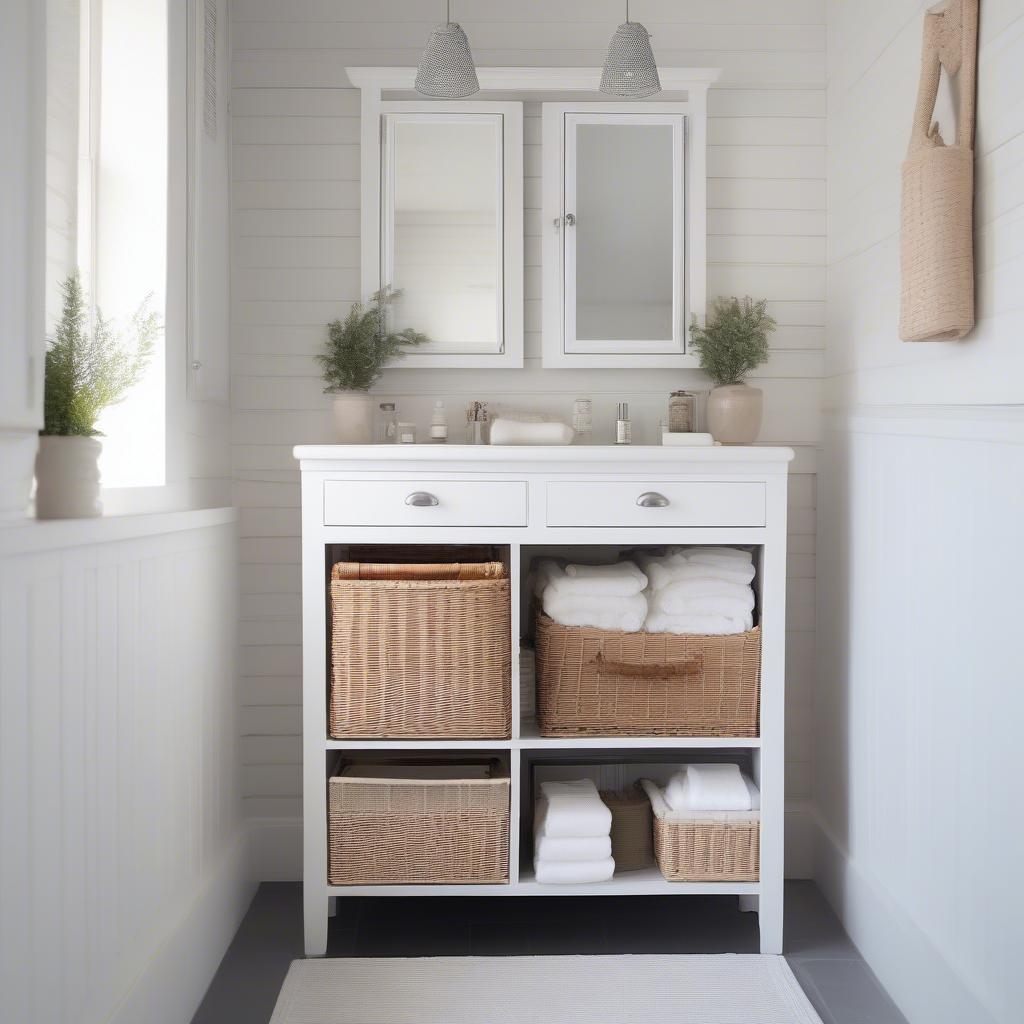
[652,499]
[421,499]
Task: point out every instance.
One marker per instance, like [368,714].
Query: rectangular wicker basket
[420,658]
[417,831]
[705,851]
[595,682]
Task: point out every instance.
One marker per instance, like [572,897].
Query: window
[123,210]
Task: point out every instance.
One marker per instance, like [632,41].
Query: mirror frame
[374,192]
[689,240]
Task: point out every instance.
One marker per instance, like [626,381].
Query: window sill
[35,535]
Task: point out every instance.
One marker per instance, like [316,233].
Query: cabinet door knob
[421,499]
[652,499]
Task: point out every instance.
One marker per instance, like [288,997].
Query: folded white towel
[622,613]
[554,848]
[684,570]
[513,431]
[696,625]
[622,580]
[573,872]
[705,588]
[708,787]
[730,607]
[710,554]
[572,810]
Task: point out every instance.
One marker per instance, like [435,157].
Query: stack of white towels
[711,787]
[699,590]
[604,596]
[572,834]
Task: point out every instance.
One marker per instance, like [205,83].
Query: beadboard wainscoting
[123,851]
[921,560]
[295,122]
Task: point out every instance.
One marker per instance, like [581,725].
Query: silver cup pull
[421,499]
[652,499]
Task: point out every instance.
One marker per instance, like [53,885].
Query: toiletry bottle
[582,416]
[388,423]
[623,428]
[439,424]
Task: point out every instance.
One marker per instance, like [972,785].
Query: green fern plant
[360,346]
[735,340]
[87,370]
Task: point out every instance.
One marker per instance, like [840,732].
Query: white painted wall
[296,266]
[123,851]
[920,507]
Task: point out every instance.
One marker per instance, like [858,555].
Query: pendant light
[630,68]
[446,69]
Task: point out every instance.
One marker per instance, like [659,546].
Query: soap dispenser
[439,424]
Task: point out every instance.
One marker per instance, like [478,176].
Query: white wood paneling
[119,772]
[295,267]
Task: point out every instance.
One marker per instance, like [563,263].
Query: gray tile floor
[828,966]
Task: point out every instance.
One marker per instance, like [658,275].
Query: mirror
[623,227]
[442,237]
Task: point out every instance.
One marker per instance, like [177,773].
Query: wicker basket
[417,831]
[595,682]
[631,829]
[420,658]
[704,851]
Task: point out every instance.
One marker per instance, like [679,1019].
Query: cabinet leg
[332,906]
[748,904]
[315,920]
[769,919]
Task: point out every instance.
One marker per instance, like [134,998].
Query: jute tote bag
[937,215]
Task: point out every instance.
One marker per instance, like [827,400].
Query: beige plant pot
[353,417]
[68,478]
[734,413]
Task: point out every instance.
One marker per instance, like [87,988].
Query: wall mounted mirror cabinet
[450,229]
[624,227]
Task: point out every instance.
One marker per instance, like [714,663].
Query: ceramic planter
[734,413]
[68,478]
[353,417]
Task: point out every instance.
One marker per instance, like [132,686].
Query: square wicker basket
[417,831]
[596,682]
[420,658]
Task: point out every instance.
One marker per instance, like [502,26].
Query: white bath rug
[729,989]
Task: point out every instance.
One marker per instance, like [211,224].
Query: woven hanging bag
[937,215]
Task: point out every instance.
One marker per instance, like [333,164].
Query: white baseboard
[277,845]
[922,982]
[178,971]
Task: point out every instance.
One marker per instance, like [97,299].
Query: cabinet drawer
[653,503]
[424,503]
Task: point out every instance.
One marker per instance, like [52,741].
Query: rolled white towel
[706,588]
[556,849]
[623,613]
[708,787]
[545,572]
[573,872]
[696,625]
[572,810]
[674,604]
[621,580]
[506,430]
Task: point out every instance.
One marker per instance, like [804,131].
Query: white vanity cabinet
[521,498]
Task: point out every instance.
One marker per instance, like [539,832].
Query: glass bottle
[388,430]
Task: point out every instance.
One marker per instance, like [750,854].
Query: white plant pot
[68,478]
[734,413]
[353,417]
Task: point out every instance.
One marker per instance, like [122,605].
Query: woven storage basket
[417,831]
[420,658]
[705,851]
[594,682]
[631,829]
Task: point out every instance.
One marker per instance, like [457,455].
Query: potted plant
[734,342]
[358,349]
[85,371]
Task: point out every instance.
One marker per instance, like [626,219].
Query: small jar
[406,433]
[388,433]
[681,413]
[583,416]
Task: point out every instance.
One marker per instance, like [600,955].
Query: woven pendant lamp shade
[446,70]
[630,68]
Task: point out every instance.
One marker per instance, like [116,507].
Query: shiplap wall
[123,851]
[296,266]
[920,556]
